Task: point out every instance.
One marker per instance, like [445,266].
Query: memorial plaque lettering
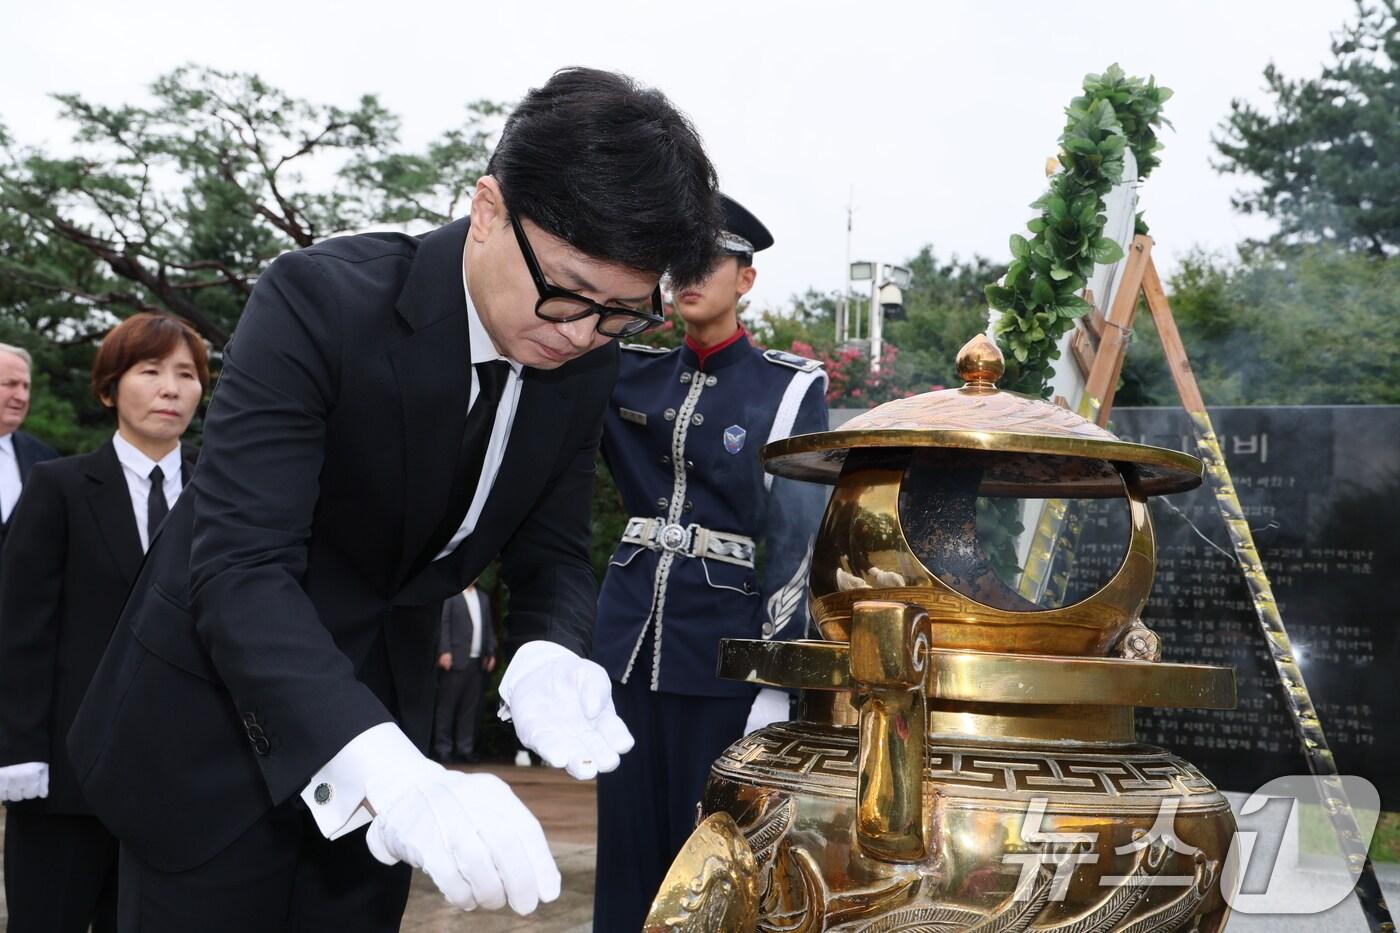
[1321,489]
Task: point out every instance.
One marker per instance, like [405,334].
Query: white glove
[24,781]
[562,707]
[468,832]
[769,706]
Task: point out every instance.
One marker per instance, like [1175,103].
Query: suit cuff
[337,795]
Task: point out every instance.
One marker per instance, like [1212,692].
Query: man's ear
[488,208]
[746,277]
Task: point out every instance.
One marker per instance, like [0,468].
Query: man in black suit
[393,413]
[18,451]
[80,530]
[466,654]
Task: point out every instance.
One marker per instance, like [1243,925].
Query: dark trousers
[458,705]
[646,808]
[60,873]
[281,876]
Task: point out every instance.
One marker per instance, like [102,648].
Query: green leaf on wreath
[1041,292]
[1003,299]
[1106,251]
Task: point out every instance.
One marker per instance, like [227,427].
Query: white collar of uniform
[140,464]
[7,443]
[482,349]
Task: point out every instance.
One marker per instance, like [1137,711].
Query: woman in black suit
[80,530]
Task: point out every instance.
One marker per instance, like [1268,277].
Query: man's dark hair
[614,170]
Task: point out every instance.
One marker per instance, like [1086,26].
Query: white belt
[689,541]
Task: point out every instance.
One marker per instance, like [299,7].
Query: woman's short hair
[142,337]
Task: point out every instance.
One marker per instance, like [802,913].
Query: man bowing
[393,413]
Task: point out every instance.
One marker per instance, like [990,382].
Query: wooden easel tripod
[1100,349]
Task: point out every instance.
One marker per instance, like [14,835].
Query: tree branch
[105,299]
[129,267]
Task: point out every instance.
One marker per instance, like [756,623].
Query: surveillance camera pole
[877,319]
[843,308]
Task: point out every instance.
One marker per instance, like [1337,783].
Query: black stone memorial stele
[1320,487]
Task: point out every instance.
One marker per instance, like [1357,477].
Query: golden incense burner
[965,759]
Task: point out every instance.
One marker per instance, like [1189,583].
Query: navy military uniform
[715,548]
[683,445]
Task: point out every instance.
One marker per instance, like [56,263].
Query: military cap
[743,233]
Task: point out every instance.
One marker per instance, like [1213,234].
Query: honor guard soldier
[715,548]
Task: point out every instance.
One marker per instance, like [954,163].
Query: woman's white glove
[24,781]
[562,708]
[468,832]
[769,706]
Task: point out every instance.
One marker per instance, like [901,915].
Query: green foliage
[1311,325]
[810,320]
[178,205]
[435,185]
[943,308]
[62,410]
[999,527]
[1039,296]
[1327,148]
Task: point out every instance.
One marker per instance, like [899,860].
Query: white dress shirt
[9,477]
[342,808]
[136,467]
[474,610]
[484,351]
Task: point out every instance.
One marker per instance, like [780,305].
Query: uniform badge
[734,438]
[636,417]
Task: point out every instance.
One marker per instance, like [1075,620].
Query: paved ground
[566,808]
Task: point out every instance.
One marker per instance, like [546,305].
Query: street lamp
[856,272]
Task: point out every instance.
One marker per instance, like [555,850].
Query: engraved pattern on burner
[897,906]
[964,410]
[826,764]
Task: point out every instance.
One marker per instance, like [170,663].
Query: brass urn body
[964,757]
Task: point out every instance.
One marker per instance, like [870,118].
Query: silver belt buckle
[673,538]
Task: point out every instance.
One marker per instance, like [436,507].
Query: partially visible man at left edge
[392,413]
[18,451]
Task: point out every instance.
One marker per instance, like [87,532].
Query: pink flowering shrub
[850,382]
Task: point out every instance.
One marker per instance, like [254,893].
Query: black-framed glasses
[561,306]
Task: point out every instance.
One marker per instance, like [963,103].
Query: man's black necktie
[156,506]
[476,433]
[471,455]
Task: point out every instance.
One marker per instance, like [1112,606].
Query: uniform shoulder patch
[791,360]
[644,348]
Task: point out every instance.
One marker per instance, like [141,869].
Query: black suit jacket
[76,553]
[457,630]
[29,451]
[288,604]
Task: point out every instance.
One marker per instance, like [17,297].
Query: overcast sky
[938,115]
